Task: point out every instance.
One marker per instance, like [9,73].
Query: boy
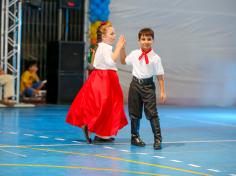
[146,63]
[30,82]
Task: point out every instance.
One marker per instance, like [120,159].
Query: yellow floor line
[119,159]
[81,167]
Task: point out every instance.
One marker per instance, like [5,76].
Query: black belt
[143,81]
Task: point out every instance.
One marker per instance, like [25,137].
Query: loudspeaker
[64,88]
[65,71]
[70,4]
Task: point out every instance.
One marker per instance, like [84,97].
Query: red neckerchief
[144,53]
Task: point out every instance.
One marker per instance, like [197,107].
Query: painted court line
[194,165]
[82,167]
[28,134]
[114,158]
[59,139]
[12,132]
[180,142]
[161,157]
[177,161]
[141,153]
[206,141]
[125,150]
[108,147]
[43,137]
[213,170]
[17,154]
[171,142]
[77,142]
[39,145]
[121,159]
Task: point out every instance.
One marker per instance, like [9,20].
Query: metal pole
[6,35]
[18,52]
[59,24]
[86,36]
[67,24]
[2,32]
[11,41]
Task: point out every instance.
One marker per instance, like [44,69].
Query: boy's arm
[122,56]
[160,79]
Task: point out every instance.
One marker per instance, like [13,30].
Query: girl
[98,107]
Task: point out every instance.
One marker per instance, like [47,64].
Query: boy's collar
[146,50]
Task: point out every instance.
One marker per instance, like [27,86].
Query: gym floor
[196,141]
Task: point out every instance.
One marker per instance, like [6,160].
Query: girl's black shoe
[102,140]
[86,134]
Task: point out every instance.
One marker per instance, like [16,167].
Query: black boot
[135,138]
[157,133]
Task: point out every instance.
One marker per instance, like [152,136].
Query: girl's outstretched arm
[120,44]
[92,50]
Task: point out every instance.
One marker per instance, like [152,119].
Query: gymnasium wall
[196,40]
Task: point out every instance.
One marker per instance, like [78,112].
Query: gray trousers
[7,82]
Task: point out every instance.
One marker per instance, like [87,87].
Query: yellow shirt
[27,80]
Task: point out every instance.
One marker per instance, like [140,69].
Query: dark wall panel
[40,25]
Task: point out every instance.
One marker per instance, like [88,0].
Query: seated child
[30,82]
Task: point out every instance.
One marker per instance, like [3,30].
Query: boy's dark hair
[31,63]
[146,32]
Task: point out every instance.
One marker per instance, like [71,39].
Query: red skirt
[99,104]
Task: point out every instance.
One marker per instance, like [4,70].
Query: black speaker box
[65,71]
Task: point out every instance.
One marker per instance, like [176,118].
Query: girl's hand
[121,42]
[92,50]
[119,45]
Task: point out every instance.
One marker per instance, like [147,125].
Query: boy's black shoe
[137,141]
[102,140]
[157,133]
[157,145]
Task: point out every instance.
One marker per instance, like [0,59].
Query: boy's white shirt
[103,57]
[141,70]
